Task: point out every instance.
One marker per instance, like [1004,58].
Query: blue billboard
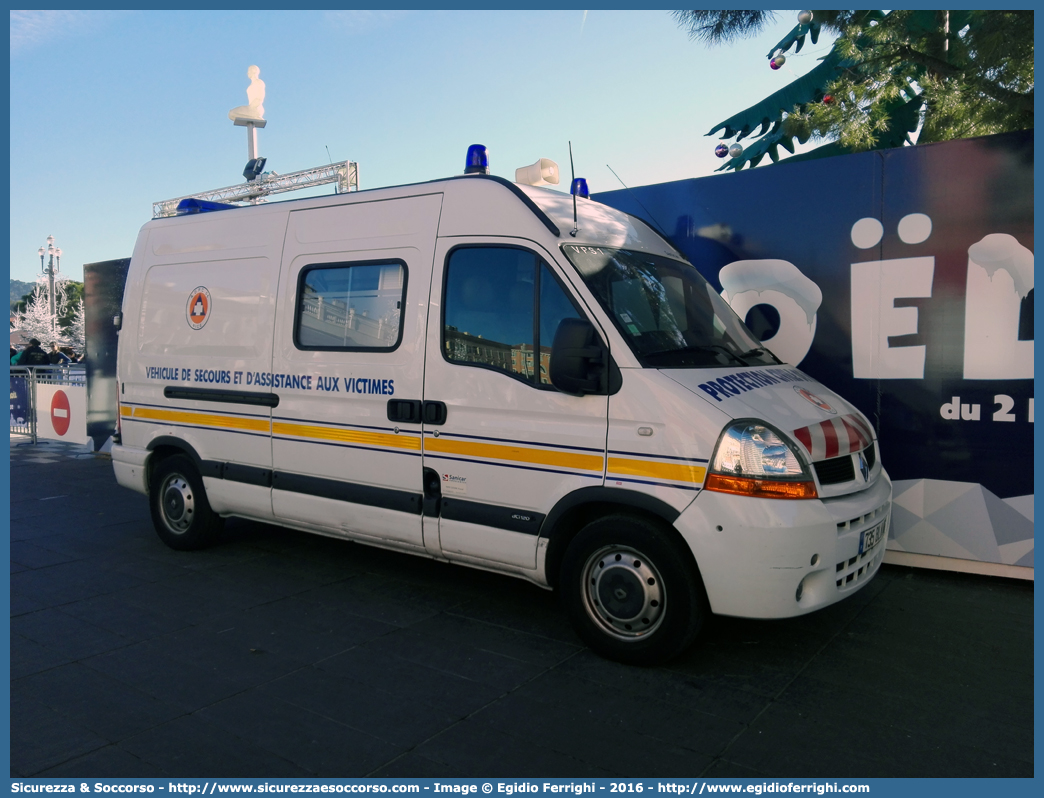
[903,279]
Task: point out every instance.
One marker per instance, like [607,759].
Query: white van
[459,370]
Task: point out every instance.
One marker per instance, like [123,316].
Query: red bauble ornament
[774,65]
[828,98]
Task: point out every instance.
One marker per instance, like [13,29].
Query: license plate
[871,537]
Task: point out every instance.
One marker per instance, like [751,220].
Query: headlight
[752,459]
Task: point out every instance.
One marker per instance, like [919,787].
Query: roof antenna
[635,198]
[572,180]
[328,153]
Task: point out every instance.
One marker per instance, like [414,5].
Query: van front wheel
[631,592]
[180,510]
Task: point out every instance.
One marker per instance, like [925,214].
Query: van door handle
[404,411]
[434,413]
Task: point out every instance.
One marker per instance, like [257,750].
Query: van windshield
[670,316]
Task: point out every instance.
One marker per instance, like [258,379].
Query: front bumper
[754,554]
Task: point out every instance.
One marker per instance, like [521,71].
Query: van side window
[350,306]
[501,307]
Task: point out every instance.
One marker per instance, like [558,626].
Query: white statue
[255,97]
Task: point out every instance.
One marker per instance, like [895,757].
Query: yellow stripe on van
[679,472]
[315,432]
[518,454]
[200,419]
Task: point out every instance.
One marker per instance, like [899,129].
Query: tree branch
[936,66]
[1022,102]
[941,69]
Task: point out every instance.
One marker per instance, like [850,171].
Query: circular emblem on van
[198,308]
[808,396]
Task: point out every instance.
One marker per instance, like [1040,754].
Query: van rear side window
[350,306]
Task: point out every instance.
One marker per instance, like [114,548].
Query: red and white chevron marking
[835,437]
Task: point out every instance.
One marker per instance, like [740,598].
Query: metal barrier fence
[24,382]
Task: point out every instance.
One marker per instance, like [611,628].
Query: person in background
[33,355]
[56,356]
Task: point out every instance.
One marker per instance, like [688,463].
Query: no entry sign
[60,412]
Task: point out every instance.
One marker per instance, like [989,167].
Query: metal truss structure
[344,174]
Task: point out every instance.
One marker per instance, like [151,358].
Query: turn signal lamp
[579,188]
[752,459]
[477,162]
[542,173]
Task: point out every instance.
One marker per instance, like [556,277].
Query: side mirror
[580,362]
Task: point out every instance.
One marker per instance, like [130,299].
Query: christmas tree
[940,74]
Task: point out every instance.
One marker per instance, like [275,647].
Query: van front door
[505,444]
[349,352]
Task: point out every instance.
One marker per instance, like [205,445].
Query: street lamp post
[53,267]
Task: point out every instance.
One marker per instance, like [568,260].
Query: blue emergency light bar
[187,206]
[579,188]
[477,162]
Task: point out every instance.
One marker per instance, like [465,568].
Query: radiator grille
[835,470]
[842,469]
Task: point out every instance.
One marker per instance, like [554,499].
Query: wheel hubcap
[623,592]
[178,504]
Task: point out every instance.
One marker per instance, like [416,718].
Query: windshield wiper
[663,353]
[757,352]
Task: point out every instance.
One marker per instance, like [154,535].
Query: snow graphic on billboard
[781,285]
[1000,276]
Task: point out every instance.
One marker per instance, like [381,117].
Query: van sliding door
[347,363]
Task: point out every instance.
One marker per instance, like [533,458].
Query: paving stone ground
[282,654]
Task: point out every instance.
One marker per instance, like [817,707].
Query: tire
[631,591]
[180,510]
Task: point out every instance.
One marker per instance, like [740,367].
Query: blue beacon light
[192,205]
[579,188]
[477,162]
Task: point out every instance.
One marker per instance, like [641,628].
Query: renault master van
[473,371]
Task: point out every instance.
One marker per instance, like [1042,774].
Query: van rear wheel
[180,510]
[631,592]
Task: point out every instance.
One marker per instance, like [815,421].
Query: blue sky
[112,111]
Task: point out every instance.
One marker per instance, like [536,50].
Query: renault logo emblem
[864,469]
